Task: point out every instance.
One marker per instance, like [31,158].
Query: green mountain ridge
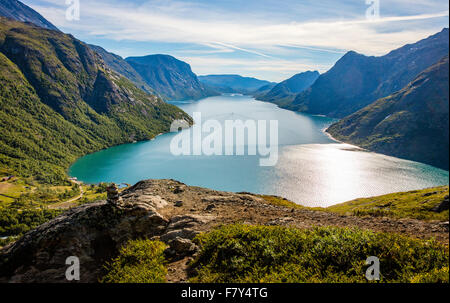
[356,80]
[412,123]
[286,91]
[234,83]
[122,67]
[60,101]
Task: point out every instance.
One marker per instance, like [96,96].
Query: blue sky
[267,39]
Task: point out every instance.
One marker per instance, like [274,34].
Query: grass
[9,192]
[14,223]
[25,204]
[416,204]
[139,261]
[262,254]
[278,201]
[72,106]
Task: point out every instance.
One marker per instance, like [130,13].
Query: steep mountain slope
[16,10]
[171,78]
[357,80]
[122,67]
[60,101]
[286,91]
[412,123]
[233,83]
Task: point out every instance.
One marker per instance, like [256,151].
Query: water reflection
[312,169]
[326,174]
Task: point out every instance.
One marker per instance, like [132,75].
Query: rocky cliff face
[286,91]
[168,211]
[122,67]
[94,233]
[171,78]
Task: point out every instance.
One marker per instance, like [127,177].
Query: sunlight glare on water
[312,170]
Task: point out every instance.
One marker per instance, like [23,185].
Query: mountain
[263,90]
[357,80]
[286,91]
[233,83]
[16,10]
[170,77]
[122,67]
[412,123]
[59,101]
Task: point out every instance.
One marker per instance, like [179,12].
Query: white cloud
[180,23]
[253,33]
[283,68]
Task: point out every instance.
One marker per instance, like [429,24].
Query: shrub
[14,223]
[139,261]
[417,204]
[435,276]
[252,254]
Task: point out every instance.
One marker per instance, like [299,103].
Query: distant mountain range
[286,91]
[356,80]
[165,75]
[171,78]
[16,10]
[235,83]
[412,123]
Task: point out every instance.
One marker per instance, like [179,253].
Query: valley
[353,166]
[311,170]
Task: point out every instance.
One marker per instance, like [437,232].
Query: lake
[312,169]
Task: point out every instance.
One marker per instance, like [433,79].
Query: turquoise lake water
[312,169]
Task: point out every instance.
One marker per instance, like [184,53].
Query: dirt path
[69,203]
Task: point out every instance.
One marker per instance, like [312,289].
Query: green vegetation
[25,204]
[435,276]
[418,204]
[139,261]
[253,254]
[410,124]
[46,195]
[278,201]
[24,193]
[15,223]
[59,102]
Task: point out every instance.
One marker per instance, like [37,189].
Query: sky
[267,39]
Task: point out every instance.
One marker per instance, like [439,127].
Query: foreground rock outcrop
[169,211]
